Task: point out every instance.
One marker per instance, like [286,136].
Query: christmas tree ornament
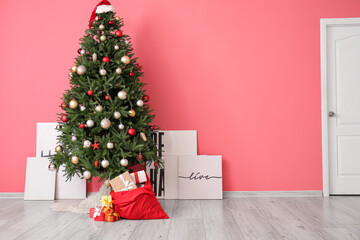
[110,145]
[105,123]
[116,47]
[73,104]
[138,66]
[106,59]
[64,118]
[86,144]
[122,95]
[82,125]
[87,174]
[82,108]
[146,98]
[58,149]
[121,126]
[131,132]
[96,163]
[140,103]
[124,162]
[102,38]
[105,163]
[70,75]
[82,52]
[81,70]
[100,18]
[74,69]
[143,136]
[132,113]
[125,59]
[90,92]
[73,138]
[90,123]
[94,57]
[99,108]
[117,18]
[102,72]
[101,27]
[79,50]
[111,22]
[58,126]
[51,167]
[74,159]
[131,74]
[97,18]
[117,115]
[156,164]
[63,106]
[107,97]
[118,33]
[118,70]
[140,156]
[107,183]
[95,145]
[152,127]
[126,41]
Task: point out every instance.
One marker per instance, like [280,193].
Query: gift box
[97,214]
[124,182]
[106,201]
[138,177]
[112,218]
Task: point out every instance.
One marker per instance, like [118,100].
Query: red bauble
[107,97]
[131,132]
[152,127]
[99,18]
[63,106]
[111,22]
[156,164]
[118,33]
[106,59]
[82,125]
[79,50]
[131,74]
[96,163]
[140,156]
[146,98]
[64,118]
[90,92]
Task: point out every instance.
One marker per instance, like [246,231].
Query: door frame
[324,24]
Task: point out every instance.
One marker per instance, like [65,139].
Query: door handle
[331,114]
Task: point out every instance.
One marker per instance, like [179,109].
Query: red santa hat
[103,6]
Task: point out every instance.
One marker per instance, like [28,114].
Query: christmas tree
[106,127]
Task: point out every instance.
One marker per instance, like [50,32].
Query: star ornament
[95,145]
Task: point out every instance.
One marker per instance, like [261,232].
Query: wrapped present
[124,182]
[106,201]
[112,218]
[138,177]
[97,214]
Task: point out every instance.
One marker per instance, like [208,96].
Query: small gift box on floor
[124,182]
[97,214]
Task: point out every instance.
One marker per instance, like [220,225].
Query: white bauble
[121,126]
[86,144]
[118,70]
[73,138]
[105,163]
[140,103]
[82,52]
[116,47]
[82,108]
[90,123]
[124,162]
[94,57]
[102,38]
[87,174]
[81,70]
[102,72]
[110,145]
[105,123]
[99,108]
[122,95]
[101,27]
[107,183]
[51,167]
[126,41]
[96,18]
[117,115]
[125,59]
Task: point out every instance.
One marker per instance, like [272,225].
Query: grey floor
[231,218]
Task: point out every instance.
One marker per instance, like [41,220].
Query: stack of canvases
[132,198]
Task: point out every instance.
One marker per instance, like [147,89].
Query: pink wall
[245,74]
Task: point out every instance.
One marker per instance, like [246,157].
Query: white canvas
[200,177]
[46,139]
[74,189]
[39,181]
[171,165]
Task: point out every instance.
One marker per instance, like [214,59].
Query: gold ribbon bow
[106,201]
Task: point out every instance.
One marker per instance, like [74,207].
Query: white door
[343,105]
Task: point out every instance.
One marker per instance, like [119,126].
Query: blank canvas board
[171,166]
[39,181]
[200,177]
[74,189]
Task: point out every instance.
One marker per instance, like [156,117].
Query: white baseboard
[232,194]
[11,195]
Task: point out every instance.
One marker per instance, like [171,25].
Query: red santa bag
[139,203]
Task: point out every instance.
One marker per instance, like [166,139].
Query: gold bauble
[74,68]
[58,149]
[73,104]
[143,136]
[125,59]
[132,113]
[117,18]
[74,159]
